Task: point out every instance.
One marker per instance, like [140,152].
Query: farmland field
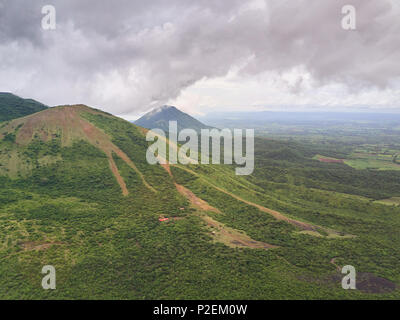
[363,158]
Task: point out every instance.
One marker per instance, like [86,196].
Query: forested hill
[78,193]
[12,106]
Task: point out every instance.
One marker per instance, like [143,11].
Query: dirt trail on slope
[38,246]
[277,215]
[102,141]
[194,200]
[231,237]
[220,232]
[120,180]
[311,229]
[333,261]
[168,169]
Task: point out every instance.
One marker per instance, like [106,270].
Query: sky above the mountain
[127,56]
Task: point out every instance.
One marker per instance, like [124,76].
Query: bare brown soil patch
[231,237]
[167,168]
[143,130]
[38,246]
[194,200]
[333,261]
[171,219]
[331,160]
[117,175]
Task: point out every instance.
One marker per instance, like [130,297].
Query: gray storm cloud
[127,56]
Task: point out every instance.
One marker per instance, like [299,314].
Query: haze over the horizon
[126,57]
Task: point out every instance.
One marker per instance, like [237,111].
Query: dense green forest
[12,106]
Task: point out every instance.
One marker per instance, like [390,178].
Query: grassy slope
[374,225]
[106,245]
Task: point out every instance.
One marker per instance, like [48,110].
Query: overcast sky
[126,56]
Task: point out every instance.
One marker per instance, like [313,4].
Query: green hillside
[77,193]
[12,106]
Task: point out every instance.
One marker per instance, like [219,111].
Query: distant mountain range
[159,118]
[238,119]
[12,106]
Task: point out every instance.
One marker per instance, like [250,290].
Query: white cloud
[128,56]
[293,90]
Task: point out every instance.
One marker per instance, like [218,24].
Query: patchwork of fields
[372,157]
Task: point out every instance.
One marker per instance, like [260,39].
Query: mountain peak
[160,109]
[166,107]
[159,118]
